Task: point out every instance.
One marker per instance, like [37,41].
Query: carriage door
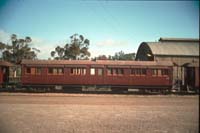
[190,77]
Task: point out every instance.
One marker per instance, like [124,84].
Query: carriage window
[115,71]
[78,71]
[83,71]
[138,71]
[109,71]
[60,71]
[28,70]
[50,70]
[72,71]
[133,72]
[156,72]
[165,72]
[92,71]
[38,71]
[100,71]
[33,71]
[120,71]
[4,70]
[159,72]
[56,71]
[143,72]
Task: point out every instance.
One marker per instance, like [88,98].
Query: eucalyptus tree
[76,49]
[18,49]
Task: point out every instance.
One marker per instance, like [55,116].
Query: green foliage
[118,56]
[77,49]
[122,56]
[19,49]
[101,57]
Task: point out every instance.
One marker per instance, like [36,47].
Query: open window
[115,71]
[92,71]
[78,71]
[138,71]
[55,71]
[33,71]
[156,72]
[120,71]
[165,72]
[100,71]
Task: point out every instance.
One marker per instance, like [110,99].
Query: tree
[77,49]
[101,57]
[122,56]
[118,56]
[18,49]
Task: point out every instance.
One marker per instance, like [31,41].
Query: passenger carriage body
[124,74]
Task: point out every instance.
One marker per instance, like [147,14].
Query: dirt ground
[98,113]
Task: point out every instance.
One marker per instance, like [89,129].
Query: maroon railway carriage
[61,74]
[4,72]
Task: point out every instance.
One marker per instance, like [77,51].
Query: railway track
[76,91]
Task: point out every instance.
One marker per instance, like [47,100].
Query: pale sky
[111,26]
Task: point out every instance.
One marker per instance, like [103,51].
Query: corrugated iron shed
[170,47]
[163,39]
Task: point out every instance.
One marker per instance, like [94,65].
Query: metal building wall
[180,64]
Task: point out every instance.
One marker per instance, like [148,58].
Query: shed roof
[165,39]
[170,48]
[98,62]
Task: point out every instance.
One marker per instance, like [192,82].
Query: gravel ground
[86,113]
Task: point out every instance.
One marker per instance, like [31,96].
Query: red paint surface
[125,79]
